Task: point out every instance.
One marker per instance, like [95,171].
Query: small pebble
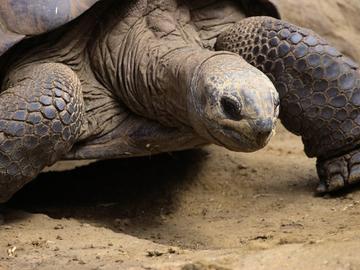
[154,253]
[58,227]
[11,251]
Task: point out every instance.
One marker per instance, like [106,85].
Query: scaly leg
[41,110]
[319,90]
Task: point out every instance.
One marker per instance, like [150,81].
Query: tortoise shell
[20,19]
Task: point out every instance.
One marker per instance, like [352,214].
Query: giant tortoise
[140,77]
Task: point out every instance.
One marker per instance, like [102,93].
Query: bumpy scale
[137,85]
[319,91]
[41,115]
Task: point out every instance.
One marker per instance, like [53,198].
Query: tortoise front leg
[41,110]
[319,90]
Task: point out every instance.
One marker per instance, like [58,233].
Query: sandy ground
[201,209]
[207,209]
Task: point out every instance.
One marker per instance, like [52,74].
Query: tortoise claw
[338,172]
[354,166]
[321,188]
[336,182]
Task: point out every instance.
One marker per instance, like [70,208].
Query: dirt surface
[201,209]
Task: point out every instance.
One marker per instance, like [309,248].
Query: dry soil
[196,210]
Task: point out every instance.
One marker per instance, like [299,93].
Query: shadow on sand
[136,188]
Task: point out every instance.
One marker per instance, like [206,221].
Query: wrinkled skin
[148,78]
[140,84]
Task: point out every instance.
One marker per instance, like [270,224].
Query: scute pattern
[319,88]
[40,121]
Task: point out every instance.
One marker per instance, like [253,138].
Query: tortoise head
[233,104]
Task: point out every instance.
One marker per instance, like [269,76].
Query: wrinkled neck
[151,71]
[173,77]
[154,75]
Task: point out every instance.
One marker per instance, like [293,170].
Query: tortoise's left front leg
[319,90]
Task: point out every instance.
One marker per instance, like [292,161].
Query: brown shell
[23,18]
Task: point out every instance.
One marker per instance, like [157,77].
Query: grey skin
[136,81]
[134,78]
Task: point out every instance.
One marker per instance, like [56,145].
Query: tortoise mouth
[235,141]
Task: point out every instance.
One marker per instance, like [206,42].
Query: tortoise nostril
[231,108]
[264,129]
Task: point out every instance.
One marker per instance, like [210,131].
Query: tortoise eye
[231,108]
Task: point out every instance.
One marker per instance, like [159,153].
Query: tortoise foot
[339,172]
[319,90]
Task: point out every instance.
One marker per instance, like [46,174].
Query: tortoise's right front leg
[319,91]
[41,110]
